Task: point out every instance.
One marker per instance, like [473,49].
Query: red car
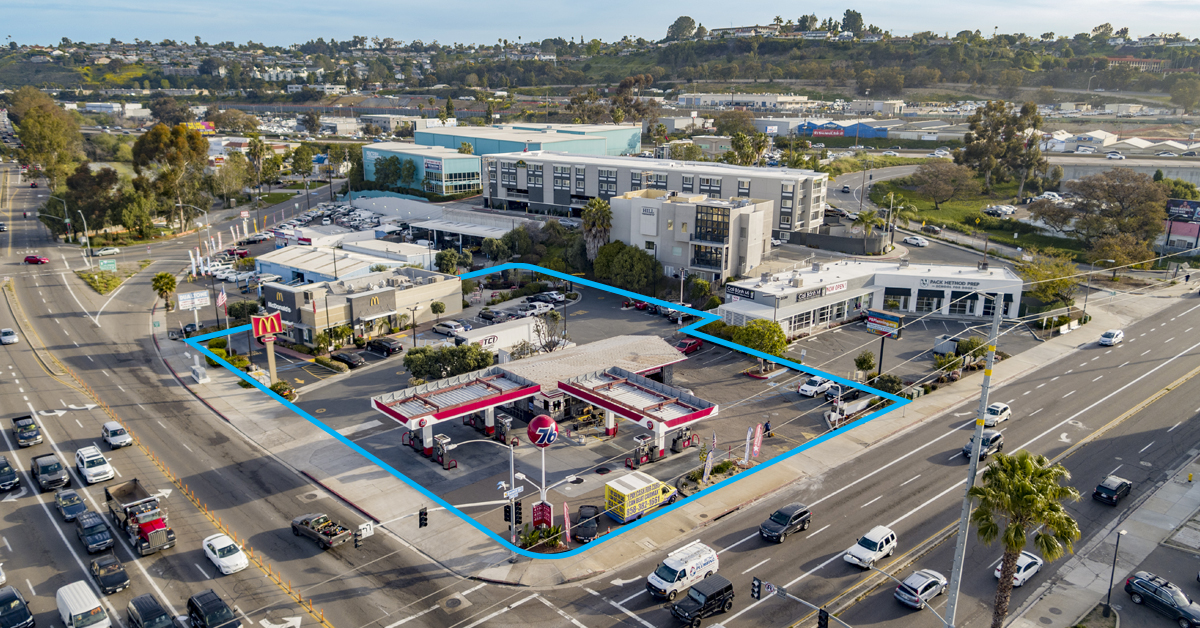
[238,252]
[689,345]
[36,259]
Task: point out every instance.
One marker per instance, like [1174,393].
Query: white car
[92,465]
[1027,565]
[880,542]
[997,413]
[775,242]
[8,337]
[890,153]
[1165,153]
[225,554]
[1109,338]
[915,241]
[449,328]
[1114,156]
[814,386]
[556,295]
[108,250]
[933,155]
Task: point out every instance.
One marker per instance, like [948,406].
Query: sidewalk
[459,546]
[1168,515]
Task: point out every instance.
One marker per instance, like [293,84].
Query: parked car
[49,473]
[540,298]
[555,296]
[93,532]
[385,346]
[917,241]
[8,477]
[1112,489]
[115,435]
[794,517]
[1111,337]
[226,555]
[1028,564]
[145,611]
[993,442]
[109,574]
[92,465]
[526,310]
[8,337]
[997,413]
[496,316]
[1190,153]
[994,212]
[814,386]
[36,259]
[465,323]
[688,346]
[352,360]
[838,392]
[1168,599]
[920,587]
[69,504]
[889,153]
[448,328]
[879,543]
[207,610]
[586,524]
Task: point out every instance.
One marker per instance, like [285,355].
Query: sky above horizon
[274,22]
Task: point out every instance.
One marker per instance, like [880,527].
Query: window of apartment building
[649,245]
[605,173]
[743,184]
[708,256]
[579,170]
[683,227]
[785,220]
[688,181]
[742,232]
[709,182]
[677,251]
[660,180]
[670,225]
[562,170]
[786,203]
[712,224]
[788,188]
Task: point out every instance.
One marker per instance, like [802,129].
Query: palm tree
[164,286]
[1023,490]
[323,342]
[257,151]
[868,220]
[597,223]
[760,143]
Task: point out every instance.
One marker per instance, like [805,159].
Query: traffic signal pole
[823,616]
[960,545]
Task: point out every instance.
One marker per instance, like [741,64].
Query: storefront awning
[367,319]
[931,294]
[1008,298]
[964,296]
[897,292]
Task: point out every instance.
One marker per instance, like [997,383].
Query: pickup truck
[140,515]
[320,528]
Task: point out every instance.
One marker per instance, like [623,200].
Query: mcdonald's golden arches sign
[269,324]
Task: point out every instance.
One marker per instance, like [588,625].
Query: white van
[78,607]
[682,568]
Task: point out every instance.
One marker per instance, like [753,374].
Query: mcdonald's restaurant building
[825,295]
[371,305]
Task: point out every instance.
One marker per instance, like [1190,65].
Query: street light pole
[85,230]
[512,482]
[1113,574]
[66,214]
[1088,292]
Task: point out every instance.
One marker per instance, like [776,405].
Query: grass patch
[274,198]
[102,281]
[842,165]
[143,263]
[312,185]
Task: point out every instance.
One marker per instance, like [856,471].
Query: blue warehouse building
[576,139]
[439,170]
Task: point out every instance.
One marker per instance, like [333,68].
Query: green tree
[943,181]
[465,148]
[1186,92]
[1009,82]
[1125,248]
[597,225]
[730,122]
[169,111]
[387,171]
[687,152]
[889,383]
[1052,276]
[762,335]
[1118,201]
[257,152]
[323,342]
[987,141]
[682,28]
[867,220]
[232,176]
[865,361]
[496,250]
[1178,188]
[852,22]
[164,286]
[94,192]
[311,121]
[1021,495]
[434,363]
[301,162]
[170,162]
[50,139]
[447,261]
[438,308]
[137,213]
[408,172]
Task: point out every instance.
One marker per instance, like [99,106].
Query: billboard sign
[433,165]
[884,323]
[772,129]
[205,128]
[735,291]
[193,300]
[829,132]
[1178,208]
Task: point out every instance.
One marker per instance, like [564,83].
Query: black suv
[49,472]
[993,442]
[207,610]
[93,532]
[786,520]
[385,346]
[16,611]
[1112,489]
[706,598]
[146,612]
[8,476]
[1146,588]
[836,392]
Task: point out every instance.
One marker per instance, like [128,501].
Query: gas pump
[476,421]
[441,444]
[412,438]
[503,426]
[643,451]
[683,438]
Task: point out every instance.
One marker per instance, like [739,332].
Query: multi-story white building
[546,182]
[709,237]
[324,88]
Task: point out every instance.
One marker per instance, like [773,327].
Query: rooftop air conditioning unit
[797,282]
[817,267]
[983,266]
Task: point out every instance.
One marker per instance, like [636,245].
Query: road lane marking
[817,532]
[1068,394]
[186,447]
[1036,411]
[1042,384]
[561,612]
[765,561]
[917,476]
[1146,447]
[504,610]
[1115,470]
[411,617]
[30,585]
[1053,378]
[621,608]
[202,571]
[1098,378]
[864,505]
[1168,340]
[1123,364]
[955,456]
[1173,427]
[1145,352]
[1026,393]
[626,600]
[930,501]
[739,542]
[798,579]
[79,424]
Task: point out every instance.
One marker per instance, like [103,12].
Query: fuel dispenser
[503,427]
[441,445]
[412,438]
[683,438]
[643,451]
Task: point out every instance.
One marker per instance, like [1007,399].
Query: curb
[314,480]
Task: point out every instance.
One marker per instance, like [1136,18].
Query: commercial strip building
[625,376]
[757,101]
[825,295]
[459,235]
[371,304]
[561,184]
[403,252]
[887,108]
[314,264]
[709,237]
[439,170]
[583,139]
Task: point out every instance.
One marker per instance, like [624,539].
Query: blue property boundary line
[691,330]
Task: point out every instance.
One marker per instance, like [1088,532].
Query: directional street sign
[108,264]
[512,494]
[781,591]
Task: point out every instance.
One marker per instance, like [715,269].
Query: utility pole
[960,545]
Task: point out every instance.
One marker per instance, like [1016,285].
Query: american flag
[221,297]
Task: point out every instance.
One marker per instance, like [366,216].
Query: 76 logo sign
[546,436]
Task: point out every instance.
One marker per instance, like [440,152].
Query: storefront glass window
[928,304]
[823,314]
[962,307]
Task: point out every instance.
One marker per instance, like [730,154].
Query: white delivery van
[682,568]
[79,607]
